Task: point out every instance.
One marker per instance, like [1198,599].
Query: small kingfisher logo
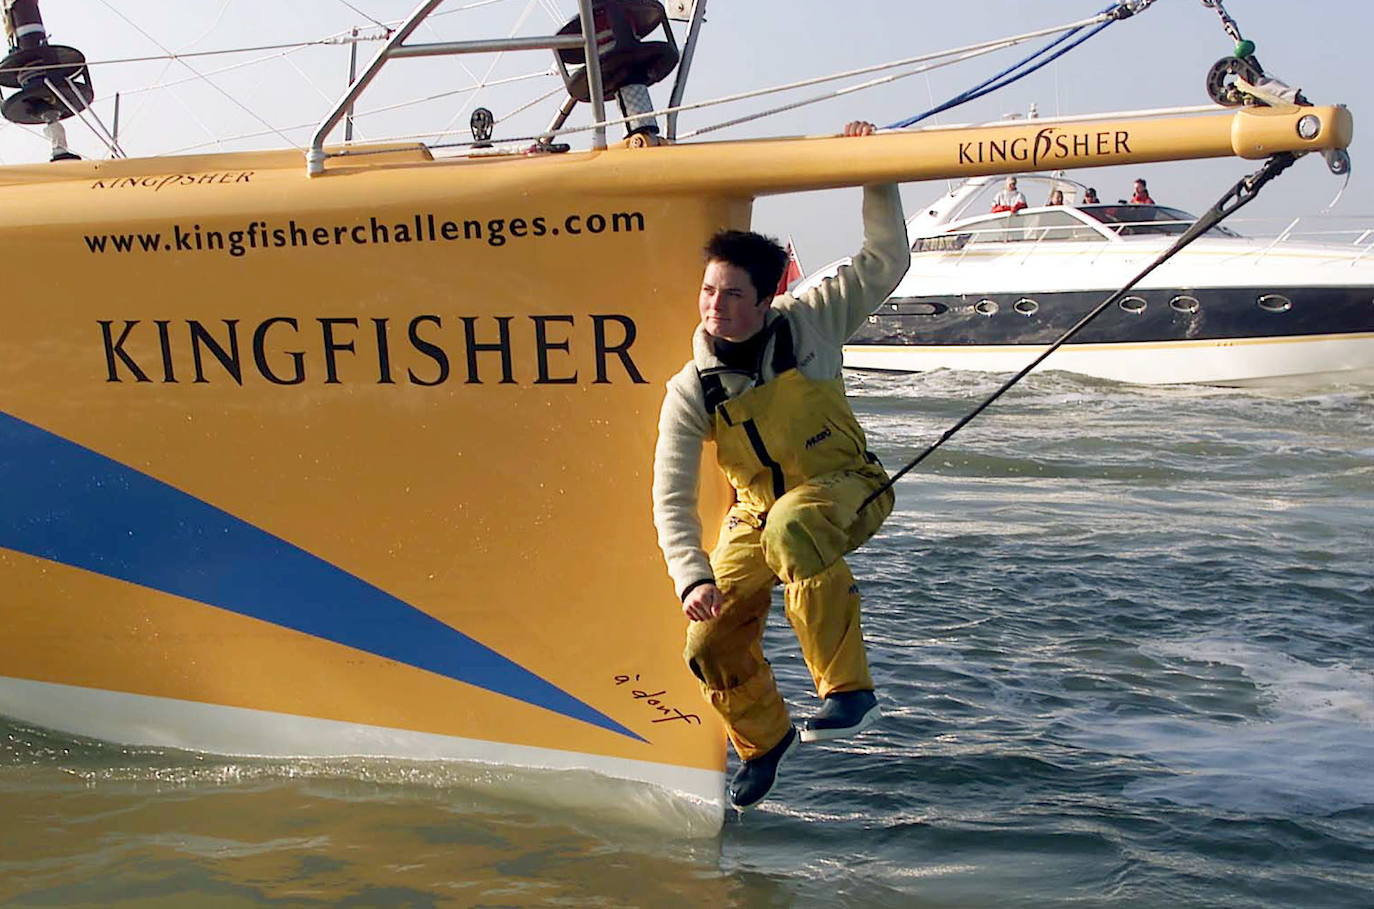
[1042,146]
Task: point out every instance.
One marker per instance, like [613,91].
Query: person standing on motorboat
[1010,198]
[764,383]
[1090,196]
[1141,195]
[1056,197]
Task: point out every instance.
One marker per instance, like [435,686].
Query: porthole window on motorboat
[908,306]
[1274,303]
[985,307]
[1133,305]
[1026,306]
[1185,303]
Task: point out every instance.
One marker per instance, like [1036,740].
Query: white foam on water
[1337,693]
[658,794]
[575,796]
[1310,753]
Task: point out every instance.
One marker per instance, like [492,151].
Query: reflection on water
[86,823]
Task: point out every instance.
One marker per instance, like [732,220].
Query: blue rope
[1009,75]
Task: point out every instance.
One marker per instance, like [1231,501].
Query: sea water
[1124,644]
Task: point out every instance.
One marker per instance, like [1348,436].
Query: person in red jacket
[1141,196]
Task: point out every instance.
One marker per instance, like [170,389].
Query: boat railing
[1300,231]
[396,48]
[1025,237]
[1288,235]
[1366,243]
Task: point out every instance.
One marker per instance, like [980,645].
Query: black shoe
[843,713]
[756,778]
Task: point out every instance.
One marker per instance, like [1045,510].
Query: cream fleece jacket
[822,319]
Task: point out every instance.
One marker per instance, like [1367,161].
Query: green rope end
[1245,48]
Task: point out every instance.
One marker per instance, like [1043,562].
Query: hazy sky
[1156,59]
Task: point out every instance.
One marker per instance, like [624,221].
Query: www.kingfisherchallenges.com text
[422,227]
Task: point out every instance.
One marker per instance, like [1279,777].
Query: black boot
[843,713]
[756,778]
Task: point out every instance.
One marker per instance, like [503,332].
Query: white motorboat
[988,291]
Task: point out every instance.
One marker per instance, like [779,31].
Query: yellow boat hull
[376,476]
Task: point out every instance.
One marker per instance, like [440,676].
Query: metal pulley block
[1222,80]
[644,140]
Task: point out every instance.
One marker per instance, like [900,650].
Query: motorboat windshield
[1084,223]
[1138,220]
[949,223]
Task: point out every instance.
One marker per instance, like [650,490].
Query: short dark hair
[762,257]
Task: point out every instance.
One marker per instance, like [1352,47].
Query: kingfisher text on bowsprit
[424,350]
[1049,144]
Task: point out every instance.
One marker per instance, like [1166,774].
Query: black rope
[1237,196]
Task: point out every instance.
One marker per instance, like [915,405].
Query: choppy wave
[1307,750]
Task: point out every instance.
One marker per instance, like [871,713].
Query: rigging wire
[226,94]
[962,53]
[171,56]
[387,109]
[219,17]
[345,37]
[95,124]
[992,83]
[491,67]
[1234,198]
[884,80]
[379,24]
[1106,17]
[1117,11]
[1101,20]
[456,10]
[353,35]
[966,52]
[958,54]
[159,83]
